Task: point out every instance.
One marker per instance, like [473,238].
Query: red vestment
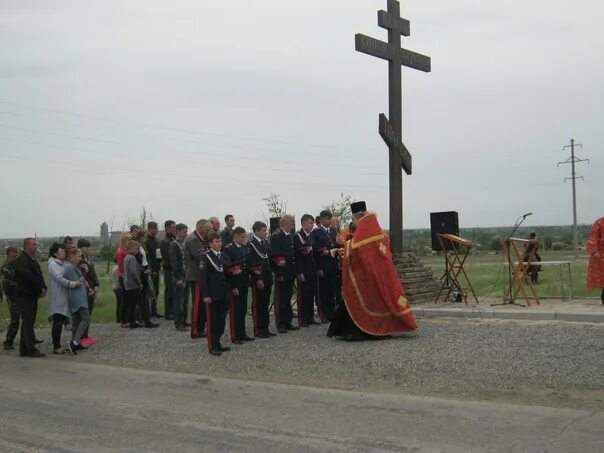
[372,290]
[595,248]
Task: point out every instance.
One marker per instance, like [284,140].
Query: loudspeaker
[444,223]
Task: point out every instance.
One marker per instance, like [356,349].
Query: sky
[194,108]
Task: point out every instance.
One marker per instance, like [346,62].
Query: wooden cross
[391,129]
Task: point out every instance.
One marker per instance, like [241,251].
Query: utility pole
[572,160]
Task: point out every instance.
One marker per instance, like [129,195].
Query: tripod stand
[508,299]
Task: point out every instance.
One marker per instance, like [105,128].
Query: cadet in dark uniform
[306,270]
[262,280]
[237,282]
[214,290]
[326,266]
[282,257]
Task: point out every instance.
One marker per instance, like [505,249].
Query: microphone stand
[511,300]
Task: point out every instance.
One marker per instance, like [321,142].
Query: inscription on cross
[391,129]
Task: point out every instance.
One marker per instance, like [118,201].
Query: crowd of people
[208,273]
[71,290]
[215,269]
[211,269]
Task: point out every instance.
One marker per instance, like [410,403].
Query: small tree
[276,207]
[107,253]
[341,208]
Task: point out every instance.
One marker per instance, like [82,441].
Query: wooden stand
[514,249]
[456,250]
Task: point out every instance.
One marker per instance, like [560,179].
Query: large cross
[391,129]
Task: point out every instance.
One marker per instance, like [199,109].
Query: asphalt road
[66,406]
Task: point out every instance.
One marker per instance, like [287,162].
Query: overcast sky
[197,108]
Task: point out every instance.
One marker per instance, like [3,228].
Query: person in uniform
[374,298]
[334,232]
[323,242]
[306,272]
[282,257]
[214,290]
[237,282]
[8,286]
[195,247]
[258,265]
[595,248]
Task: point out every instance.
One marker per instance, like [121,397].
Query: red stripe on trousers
[232,318]
[255,309]
[277,301]
[318,297]
[195,320]
[209,326]
[299,300]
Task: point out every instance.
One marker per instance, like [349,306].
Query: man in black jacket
[282,257]
[238,282]
[306,271]
[214,289]
[323,242]
[152,245]
[170,230]
[226,235]
[30,286]
[258,265]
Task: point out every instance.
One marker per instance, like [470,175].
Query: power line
[172,129]
[573,160]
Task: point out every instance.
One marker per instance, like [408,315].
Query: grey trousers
[80,322]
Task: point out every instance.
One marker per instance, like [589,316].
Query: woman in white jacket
[58,289]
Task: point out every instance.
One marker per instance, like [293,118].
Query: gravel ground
[556,364]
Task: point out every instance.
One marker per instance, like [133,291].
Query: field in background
[486,272]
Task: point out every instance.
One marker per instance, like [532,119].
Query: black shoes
[181,328]
[237,341]
[150,325]
[135,325]
[8,346]
[271,334]
[170,317]
[36,354]
[246,338]
[290,327]
[304,324]
[281,328]
[262,335]
[187,324]
[215,351]
[223,348]
[36,341]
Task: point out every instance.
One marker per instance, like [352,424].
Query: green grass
[485,271]
[488,275]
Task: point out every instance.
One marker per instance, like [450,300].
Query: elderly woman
[58,290]
[77,299]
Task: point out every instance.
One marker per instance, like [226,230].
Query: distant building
[115,236]
[104,233]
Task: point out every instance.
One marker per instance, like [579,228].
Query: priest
[374,298]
